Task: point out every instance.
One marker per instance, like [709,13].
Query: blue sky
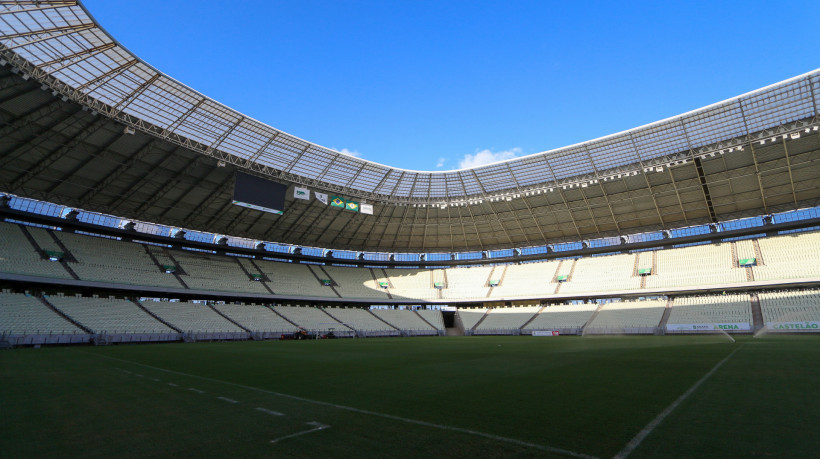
[441,85]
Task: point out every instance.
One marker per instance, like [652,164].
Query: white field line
[226,399]
[669,409]
[476,433]
[173,385]
[196,390]
[316,427]
[265,410]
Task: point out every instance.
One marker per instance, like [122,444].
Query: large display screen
[259,193]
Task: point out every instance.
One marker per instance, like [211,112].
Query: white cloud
[440,162]
[353,153]
[486,156]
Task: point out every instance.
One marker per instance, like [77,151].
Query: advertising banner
[545,333]
[737,326]
[815,326]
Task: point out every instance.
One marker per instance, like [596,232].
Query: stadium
[673,267]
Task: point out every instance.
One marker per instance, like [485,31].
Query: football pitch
[672,396]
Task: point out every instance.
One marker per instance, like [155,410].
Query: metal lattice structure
[87,123]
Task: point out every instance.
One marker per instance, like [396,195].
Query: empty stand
[256,318]
[432,316]
[108,260]
[600,274]
[108,315]
[313,319]
[709,264]
[505,320]
[355,283]
[711,310]
[405,320]
[214,272]
[791,311]
[21,314]
[470,317]
[411,284]
[192,318]
[361,320]
[527,280]
[568,319]
[466,283]
[628,317]
[18,255]
[792,256]
[293,279]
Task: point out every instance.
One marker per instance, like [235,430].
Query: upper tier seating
[293,279]
[709,264]
[527,280]
[214,272]
[411,283]
[791,256]
[711,309]
[256,318]
[191,317]
[108,315]
[18,256]
[108,260]
[22,314]
[355,282]
[600,274]
[467,283]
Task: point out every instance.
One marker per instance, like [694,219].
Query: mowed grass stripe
[499,438]
[588,395]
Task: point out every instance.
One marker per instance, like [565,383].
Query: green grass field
[455,397]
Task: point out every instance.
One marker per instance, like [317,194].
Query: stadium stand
[214,272]
[293,279]
[432,316]
[18,256]
[527,280]
[792,256]
[791,311]
[567,319]
[361,320]
[406,320]
[710,310]
[197,320]
[466,283]
[355,283]
[256,318]
[470,317]
[108,260]
[22,314]
[108,315]
[411,284]
[709,264]
[43,239]
[505,321]
[600,274]
[632,316]
[314,320]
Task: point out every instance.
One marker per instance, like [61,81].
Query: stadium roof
[88,124]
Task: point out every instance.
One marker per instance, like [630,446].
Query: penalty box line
[476,433]
[669,409]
